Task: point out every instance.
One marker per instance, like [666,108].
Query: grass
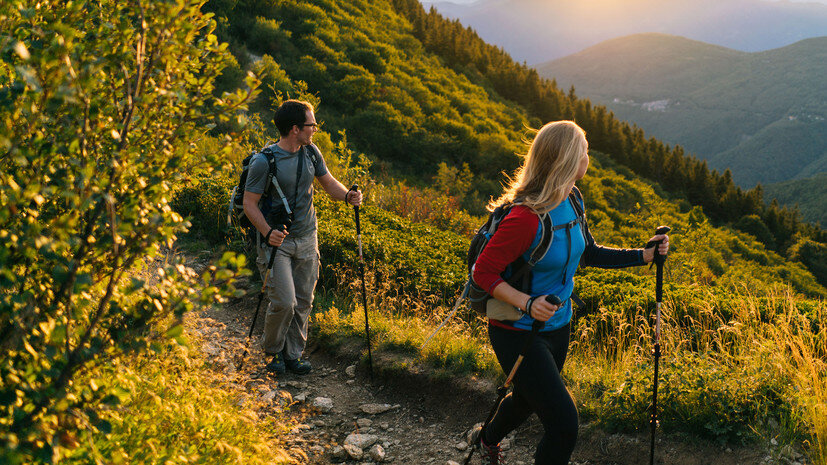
[740,369]
[178,408]
[761,372]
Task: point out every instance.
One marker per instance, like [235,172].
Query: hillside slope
[760,114]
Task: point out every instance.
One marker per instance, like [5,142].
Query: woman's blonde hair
[550,167]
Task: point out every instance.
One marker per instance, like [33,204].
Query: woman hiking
[557,157]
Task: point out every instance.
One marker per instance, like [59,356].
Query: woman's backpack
[518,273]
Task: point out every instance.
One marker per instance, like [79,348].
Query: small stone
[364,422]
[461,445]
[774,442]
[375,409]
[451,462]
[351,371]
[384,425]
[324,404]
[268,396]
[350,381]
[353,451]
[505,444]
[300,397]
[319,423]
[338,453]
[361,440]
[377,453]
[317,449]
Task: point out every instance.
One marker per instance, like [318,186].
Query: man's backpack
[236,213]
[518,273]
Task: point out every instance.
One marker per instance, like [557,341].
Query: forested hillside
[463,102]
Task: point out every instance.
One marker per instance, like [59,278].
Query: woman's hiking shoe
[298,366]
[490,454]
[276,365]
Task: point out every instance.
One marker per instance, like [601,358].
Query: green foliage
[99,103]
[677,173]
[698,394]
[178,409]
[399,105]
[813,255]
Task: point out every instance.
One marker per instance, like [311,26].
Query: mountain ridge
[536,32]
[728,107]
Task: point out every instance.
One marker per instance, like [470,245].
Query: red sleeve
[512,238]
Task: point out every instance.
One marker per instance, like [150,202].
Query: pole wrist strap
[528,304]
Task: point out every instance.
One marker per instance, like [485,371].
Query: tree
[100,102]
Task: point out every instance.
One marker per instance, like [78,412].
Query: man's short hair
[291,113]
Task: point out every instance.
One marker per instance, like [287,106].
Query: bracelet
[528,304]
[267,237]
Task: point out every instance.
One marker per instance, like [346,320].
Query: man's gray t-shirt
[301,199]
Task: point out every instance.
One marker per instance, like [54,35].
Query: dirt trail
[421,422]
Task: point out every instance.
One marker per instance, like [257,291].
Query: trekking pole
[274,249]
[659,261]
[456,307]
[355,188]
[503,390]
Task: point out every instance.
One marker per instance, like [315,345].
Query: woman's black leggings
[538,388]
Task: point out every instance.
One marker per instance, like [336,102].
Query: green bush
[99,106]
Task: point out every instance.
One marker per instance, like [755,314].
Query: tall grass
[732,369]
[178,408]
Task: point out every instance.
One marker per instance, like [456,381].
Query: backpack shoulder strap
[576,199]
[546,235]
[272,175]
[314,155]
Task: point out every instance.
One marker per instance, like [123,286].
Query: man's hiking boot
[276,366]
[490,454]
[298,366]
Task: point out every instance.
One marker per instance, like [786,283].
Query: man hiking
[296,161]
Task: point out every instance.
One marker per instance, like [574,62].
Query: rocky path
[338,414]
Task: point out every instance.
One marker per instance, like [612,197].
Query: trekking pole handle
[355,188]
[658,258]
[282,228]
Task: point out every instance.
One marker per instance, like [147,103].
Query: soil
[426,421]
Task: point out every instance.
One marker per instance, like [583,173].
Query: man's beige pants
[290,290]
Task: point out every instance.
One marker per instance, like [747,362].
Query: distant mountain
[542,30]
[764,115]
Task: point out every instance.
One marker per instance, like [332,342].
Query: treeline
[685,176]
